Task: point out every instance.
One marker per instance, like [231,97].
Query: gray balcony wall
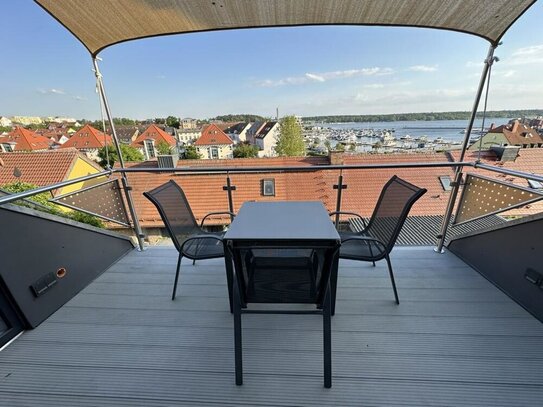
[34,244]
[503,254]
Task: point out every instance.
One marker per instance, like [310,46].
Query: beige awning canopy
[101,23]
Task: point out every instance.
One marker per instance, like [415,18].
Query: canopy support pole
[124,179]
[458,172]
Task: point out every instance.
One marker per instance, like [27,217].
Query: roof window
[535,184]
[445,182]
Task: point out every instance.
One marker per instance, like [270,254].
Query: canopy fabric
[101,23]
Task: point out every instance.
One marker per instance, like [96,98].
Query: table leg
[229,274]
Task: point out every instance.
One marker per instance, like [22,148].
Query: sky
[304,71]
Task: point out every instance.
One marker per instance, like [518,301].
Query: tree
[327,144]
[245,150]
[352,147]
[191,153]
[163,148]
[172,121]
[290,141]
[129,154]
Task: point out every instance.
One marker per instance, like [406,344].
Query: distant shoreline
[429,116]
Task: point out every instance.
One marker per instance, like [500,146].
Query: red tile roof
[26,140]
[212,135]
[518,134]
[154,132]
[88,138]
[205,193]
[39,168]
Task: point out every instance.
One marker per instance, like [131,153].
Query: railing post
[340,187]
[126,186]
[229,188]
[458,173]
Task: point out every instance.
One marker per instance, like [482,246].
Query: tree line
[428,116]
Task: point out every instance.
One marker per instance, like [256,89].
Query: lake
[452,130]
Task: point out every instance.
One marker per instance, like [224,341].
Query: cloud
[161,76]
[527,55]
[51,91]
[374,86]
[423,68]
[80,98]
[471,64]
[313,77]
[309,77]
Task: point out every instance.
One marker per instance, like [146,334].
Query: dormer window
[149,146]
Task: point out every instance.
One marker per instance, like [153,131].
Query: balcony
[455,340]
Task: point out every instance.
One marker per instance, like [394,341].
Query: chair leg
[327,335]
[371,253]
[237,336]
[177,275]
[193,262]
[392,279]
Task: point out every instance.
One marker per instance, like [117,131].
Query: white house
[238,132]
[266,139]
[214,143]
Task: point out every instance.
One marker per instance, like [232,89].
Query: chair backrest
[393,206]
[174,209]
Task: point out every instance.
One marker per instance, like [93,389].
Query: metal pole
[458,172]
[340,187]
[126,186]
[229,188]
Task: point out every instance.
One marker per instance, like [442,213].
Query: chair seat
[203,248]
[359,249]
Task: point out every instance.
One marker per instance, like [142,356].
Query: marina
[379,137]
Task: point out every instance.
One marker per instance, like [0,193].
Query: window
[445,182]
[149,148]
[7,148]
[535,184]
[214,152]
[268,187]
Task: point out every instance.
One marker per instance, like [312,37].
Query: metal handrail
[307,168]
[229,170]
[108,173]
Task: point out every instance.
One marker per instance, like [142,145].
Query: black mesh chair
[282,275]
[377,239]
[189,238]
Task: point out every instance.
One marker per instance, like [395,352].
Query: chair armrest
[350,213]
[364,238]
[203,236]
[215,213]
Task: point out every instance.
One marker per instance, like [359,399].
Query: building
[48,167]
[266,139]
[188,123]
[5,122]
[512,134]
[238,132]
[148,141]
[26,120]
[214,143]
[188,136]
[89,141]
[21,139]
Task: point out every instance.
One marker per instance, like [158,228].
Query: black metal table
[294,227]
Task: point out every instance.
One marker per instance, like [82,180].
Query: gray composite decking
[455,339]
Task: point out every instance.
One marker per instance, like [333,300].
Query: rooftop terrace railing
[229,187]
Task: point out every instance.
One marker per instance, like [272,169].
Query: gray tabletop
[294,220]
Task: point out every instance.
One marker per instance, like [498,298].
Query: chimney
[335,157]
[492,126]
[515,126]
